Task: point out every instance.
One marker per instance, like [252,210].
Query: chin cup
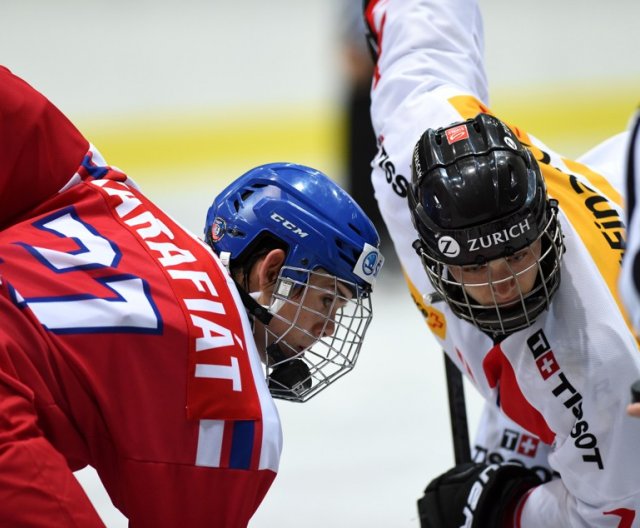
[289,375]
[292,375]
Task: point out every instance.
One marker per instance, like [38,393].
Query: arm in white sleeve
[630,278]
[429,51]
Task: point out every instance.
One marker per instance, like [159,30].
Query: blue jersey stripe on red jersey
[242,444]
[93,170]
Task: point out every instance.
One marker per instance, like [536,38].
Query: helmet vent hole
[355,229]
[350,256]
[513,185]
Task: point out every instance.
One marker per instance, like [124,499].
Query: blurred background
[186,95]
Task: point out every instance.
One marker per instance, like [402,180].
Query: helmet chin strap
[261,313]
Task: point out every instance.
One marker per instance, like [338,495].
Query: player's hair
[264,243]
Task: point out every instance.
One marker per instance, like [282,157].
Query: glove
[475,496]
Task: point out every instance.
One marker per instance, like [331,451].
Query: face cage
[503,319]
[343,324]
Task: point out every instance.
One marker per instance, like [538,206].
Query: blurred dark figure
[360,139]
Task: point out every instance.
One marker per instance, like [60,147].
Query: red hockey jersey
[123,345]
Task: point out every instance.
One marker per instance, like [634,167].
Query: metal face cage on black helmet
[321,307]
[490,240]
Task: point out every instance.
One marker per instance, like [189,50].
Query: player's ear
[269,268]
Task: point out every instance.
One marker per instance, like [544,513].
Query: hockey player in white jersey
[630,276]
[512,252]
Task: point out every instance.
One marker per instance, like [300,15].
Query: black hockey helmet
[478,195]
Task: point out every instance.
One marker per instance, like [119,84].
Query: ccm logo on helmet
[289,225]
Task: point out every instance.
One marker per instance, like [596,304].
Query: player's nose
[503,281]
[325,328]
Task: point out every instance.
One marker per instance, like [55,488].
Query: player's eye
[518,257]
[475,268]
[327,301]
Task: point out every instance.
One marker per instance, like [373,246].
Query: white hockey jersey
[630,277]
[565,380]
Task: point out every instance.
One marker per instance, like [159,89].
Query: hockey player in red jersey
[126,344]
[512,252]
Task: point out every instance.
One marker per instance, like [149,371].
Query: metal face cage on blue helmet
[478,196]
[331,250]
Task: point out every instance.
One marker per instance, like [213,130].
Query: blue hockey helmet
[320,224]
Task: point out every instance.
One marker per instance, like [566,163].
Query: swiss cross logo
[528,445]
[547,364]
[521,443]
[436,321]
[457,133]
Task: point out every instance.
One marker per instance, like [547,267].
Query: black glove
[475,495]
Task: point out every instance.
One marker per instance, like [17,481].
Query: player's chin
[292,350]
